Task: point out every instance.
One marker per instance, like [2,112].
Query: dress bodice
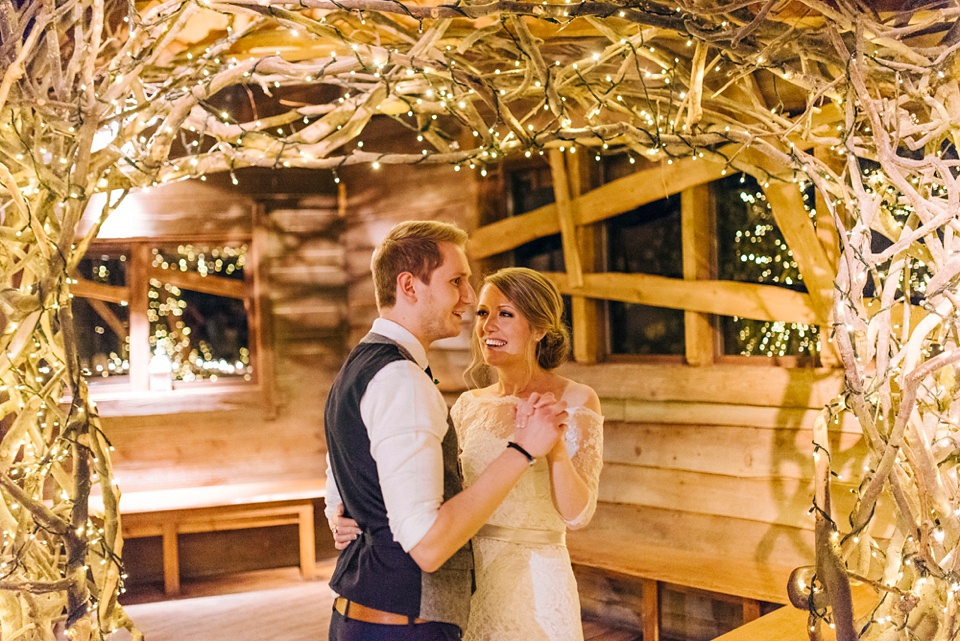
[484,426]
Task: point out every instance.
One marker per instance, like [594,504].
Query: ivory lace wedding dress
[525,585]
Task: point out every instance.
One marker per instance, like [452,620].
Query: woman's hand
[344,529]
[540,421]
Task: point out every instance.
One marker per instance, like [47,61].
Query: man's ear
[406,287]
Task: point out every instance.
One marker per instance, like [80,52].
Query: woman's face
[504,335]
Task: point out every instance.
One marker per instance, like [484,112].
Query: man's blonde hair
[411,246]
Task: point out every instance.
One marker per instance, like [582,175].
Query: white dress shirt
[406,419]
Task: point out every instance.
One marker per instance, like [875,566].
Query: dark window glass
[202,335]
[103,328]
[751,249]
[646,240]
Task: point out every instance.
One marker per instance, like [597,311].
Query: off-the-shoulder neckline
[511,398]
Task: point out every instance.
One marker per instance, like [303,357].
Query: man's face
[443,302]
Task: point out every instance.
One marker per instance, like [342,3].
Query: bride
[525,588]
[525,585]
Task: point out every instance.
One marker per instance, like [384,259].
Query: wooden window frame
[579,217]
[135,397]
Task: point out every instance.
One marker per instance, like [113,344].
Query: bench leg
[308,552]
[171,560]
[650,593]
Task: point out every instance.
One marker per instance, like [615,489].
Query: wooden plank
[716,414]
[514,231]
[567,217]
[730,556]
[588,333]
[728,298]
[651,609]
[791,624]
[826,230]
[99,291]
[699,263]
[113,403]
[171,559]
[778,501]
[731,384]
[815,267]
[227,287]
[139,325]
[738,451]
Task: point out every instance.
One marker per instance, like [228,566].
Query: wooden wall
[707,476]
[269,431]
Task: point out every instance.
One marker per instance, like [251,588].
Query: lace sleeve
[456,416]
[584,439]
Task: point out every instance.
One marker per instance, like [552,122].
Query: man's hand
[344,529]
[541,420]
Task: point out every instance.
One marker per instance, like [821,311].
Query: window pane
[103,329]
[646,240]
[751,249]
[203,334]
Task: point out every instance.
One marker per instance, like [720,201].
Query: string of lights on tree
[140,104]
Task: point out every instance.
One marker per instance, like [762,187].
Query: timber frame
[575,213]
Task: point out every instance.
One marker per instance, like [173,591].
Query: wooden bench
[167,513]
[748,583]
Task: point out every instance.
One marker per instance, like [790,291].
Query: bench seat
[170,512]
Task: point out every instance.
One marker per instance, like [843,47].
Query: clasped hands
[541,420]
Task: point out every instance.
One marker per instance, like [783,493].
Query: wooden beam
[650,619]
[588,343]
[228,287]
[616,197]
[99,291]
[566,216]
[728,298]
[109,318]
[791,624]
[699,263]
[817,271]
[139,325]
[768,389]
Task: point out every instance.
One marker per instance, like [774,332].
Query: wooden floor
[253,606]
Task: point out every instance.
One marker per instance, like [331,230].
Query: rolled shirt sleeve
[406,419]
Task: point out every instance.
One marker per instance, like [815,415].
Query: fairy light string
[739,85]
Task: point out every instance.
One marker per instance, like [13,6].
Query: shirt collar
[396,332]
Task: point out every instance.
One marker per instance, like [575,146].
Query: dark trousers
[343,629]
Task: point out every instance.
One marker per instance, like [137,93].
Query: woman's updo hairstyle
[538,300]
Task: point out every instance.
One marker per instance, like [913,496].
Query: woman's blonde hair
[539,302]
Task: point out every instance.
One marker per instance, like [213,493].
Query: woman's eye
[481,312]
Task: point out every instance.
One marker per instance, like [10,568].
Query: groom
[393,455]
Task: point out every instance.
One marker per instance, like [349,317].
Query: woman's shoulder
[580,395]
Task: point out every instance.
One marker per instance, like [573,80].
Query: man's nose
[468,296]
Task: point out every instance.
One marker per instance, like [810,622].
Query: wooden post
[697,231]
[567,217]
[139,325]
[827,233]
[651,609]
[587,348]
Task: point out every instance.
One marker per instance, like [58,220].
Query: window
[750,248]
[160,316]
[645,240]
